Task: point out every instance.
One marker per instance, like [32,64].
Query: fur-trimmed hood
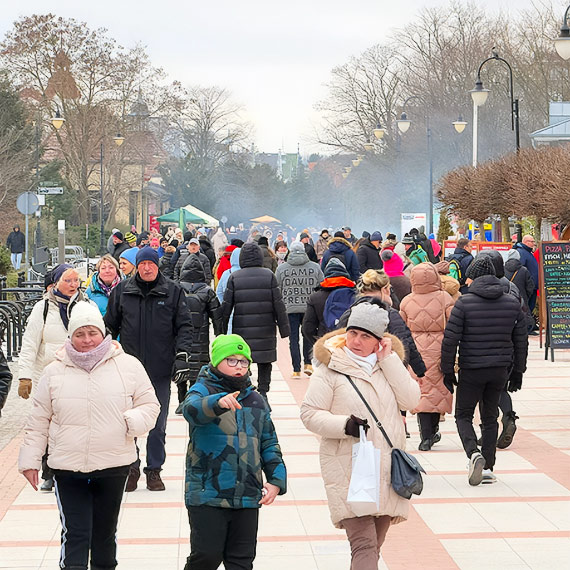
[325,346]
[340,240]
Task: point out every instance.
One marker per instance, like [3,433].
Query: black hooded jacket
[368,256]
[398,328]
[488,326]
[254,296]
[208,251]
[520,276]
[204,306]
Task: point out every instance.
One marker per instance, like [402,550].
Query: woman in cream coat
[333,410]
[89,405]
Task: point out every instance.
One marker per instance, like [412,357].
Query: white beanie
[514,254]
[85,314]
[369,318]
[400,249]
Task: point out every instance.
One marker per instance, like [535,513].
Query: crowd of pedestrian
[389,313]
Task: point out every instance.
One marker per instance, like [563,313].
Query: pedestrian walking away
[228,417]
[16,243]
[341,249]
[90,404]
[149,313]
[333,410]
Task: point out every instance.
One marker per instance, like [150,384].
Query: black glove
[449,381]
[181,370]
[353,426]
[515,382]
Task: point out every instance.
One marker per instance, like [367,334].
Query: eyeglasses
[233,362]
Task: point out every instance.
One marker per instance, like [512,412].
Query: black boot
[509,429]
[425,445]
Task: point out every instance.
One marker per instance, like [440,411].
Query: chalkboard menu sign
[556,269]
[559,322]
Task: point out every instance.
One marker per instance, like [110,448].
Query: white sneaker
[488,477]
[476,464]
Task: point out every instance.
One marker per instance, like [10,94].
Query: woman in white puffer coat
[88,407]
[333,409]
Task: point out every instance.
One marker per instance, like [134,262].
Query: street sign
[27,203]
[50,190]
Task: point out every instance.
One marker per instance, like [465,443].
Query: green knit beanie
[227,345]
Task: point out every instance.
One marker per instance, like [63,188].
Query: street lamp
[379,131]
[403,123]
[479,96]
[562,42]
[368,146]
[459,125]
[57,121]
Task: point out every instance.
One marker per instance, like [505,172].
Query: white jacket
[219,239]
[41,340]
[89,420]
[329,402]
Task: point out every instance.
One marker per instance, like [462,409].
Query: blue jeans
[16,259]
[295,320]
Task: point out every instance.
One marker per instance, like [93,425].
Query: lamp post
[562,42]
[479,96]
[118,140]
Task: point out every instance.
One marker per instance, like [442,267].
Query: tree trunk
[505,228]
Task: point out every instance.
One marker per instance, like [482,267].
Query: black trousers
[428,423]
[481,386]
[264,376]
[295,321]
[222,535]
[89,510]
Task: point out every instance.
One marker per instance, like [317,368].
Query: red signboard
[153,223]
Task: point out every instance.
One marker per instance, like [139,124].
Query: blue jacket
[229,450]
[340,248]
[528,260]
[97,295]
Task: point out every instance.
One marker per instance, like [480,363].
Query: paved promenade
[520,522]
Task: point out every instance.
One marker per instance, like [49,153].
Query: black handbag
[406,473]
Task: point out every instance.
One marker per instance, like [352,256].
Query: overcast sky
[273,56]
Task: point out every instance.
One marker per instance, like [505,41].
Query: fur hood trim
[340,240]
[337,339]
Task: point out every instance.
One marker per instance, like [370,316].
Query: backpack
[455,271]
[336,304]
[339,256]
[418,256]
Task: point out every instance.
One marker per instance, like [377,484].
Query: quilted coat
[328,404]
[426,311]
[89,420]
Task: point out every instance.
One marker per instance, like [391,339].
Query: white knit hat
[85,314]
[370,318]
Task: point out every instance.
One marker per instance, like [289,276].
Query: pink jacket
[88,420]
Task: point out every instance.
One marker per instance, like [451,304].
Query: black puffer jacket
[254,296]
[518,274]
[5,380]
[208,251]
[179,267]
[119,248]
[368,256]
[204,307]
[489,327]
[154,325]
[396,327]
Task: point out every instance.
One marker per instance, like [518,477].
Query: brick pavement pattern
[520,522]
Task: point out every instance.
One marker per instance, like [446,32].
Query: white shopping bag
[364,489]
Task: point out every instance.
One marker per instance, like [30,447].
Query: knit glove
[25,388]
[353,426]
[181,370]
[515,382]
[449,381]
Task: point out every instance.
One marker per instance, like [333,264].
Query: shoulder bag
[406,473]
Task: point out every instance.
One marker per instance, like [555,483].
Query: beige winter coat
[89,419]
[426,312]
[328,404]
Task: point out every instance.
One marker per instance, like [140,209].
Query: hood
[331,282]
[335,268]
[193,270]
[425,279]
[393,264]
[521,245]
[234,259]
[339,245]
[513,264]
[250,256]
[205,243]
[297,258]
[115,350]
[497,260]
[442,267]
[487,287]
[327,344]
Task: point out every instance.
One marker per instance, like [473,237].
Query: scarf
[231,383]
[88,360]
[108,288]
[64,303]
[365,362]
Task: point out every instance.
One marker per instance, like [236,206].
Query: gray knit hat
[369,318]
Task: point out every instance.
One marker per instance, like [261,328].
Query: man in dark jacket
[16,243]
[297,278]
[342,250]
[462,255]
[204,308]
[120,245]
[193,247]
[5,380]
[254,297]
[336,277]
[520,276]
[207,249]
[368,253]
[348,236]
[305,239]
[489,328]
[150,314]
[525,249]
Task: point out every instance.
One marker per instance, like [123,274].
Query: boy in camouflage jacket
[232,444]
